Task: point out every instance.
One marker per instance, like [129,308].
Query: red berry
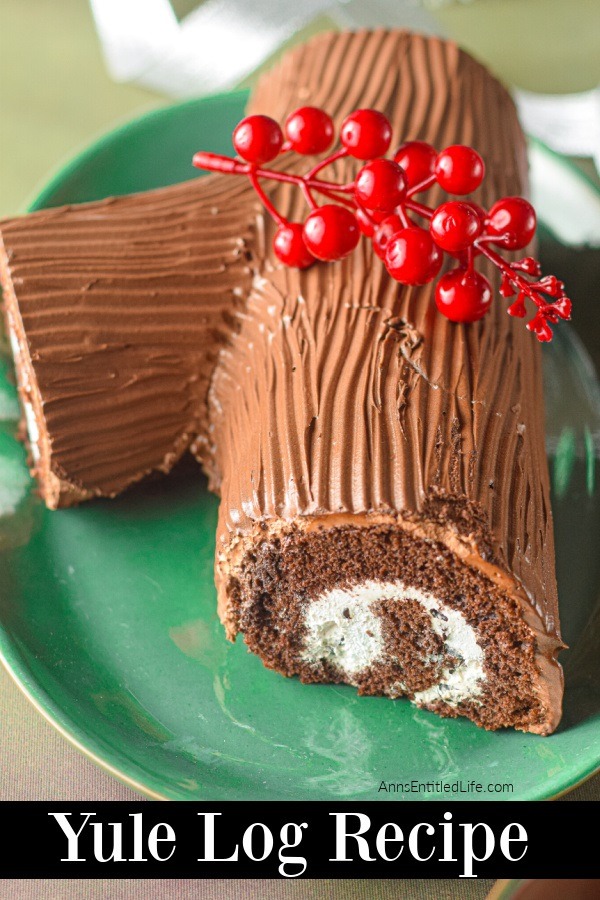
[258,139]
[459,169]
[366,134]
[331,232]
[417,158]
[366,222]
[455,226]
[289,246]
[380,185]
[384,233]
[513,220]
[412,256]
[479,211]
[309,130]
[463,296]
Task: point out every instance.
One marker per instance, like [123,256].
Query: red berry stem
[422,186]
[268,205]
[532,289]
[514,283]
[332,194]
[403,217]
[419,209]
[378,202]
[304,187]
[318,184]
[470,260]
[215,162]
[339,154]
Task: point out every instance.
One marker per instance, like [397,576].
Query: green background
[55,94]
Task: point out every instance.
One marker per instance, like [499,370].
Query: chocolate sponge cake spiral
[384,499]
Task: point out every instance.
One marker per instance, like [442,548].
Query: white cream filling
[32,430]
[343,629]
[30,420]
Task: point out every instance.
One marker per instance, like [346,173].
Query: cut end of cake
[396,614]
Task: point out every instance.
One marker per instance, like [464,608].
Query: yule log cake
[384,515]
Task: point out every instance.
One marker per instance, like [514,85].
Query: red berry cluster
[380,203]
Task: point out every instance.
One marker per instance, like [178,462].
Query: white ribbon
[569,123]
[220,42]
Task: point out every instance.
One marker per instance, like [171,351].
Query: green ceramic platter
[108,611]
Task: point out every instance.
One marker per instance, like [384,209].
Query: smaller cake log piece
[116,311]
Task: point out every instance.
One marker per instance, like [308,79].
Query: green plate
[108,610]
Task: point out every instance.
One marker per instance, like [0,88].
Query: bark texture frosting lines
[119,308]
[343,392]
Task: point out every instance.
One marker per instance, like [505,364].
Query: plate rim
[53,714]
[63,723]
[10,658]
[565,161]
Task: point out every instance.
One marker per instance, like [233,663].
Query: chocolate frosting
[161,321]
[119,308]
[344,392]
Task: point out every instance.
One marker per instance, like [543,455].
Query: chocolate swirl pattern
[356,437]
